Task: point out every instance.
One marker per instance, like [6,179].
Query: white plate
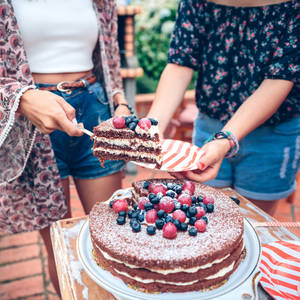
[178,156]
[239,283]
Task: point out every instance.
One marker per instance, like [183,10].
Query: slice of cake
[168,236]
[129,139]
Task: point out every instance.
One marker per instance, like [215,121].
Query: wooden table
[75,284]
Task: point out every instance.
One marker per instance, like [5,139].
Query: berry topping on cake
[193,231]
[151,230]
[136,226]
[159,223]
[151,216]
[192,220]
[184,207]
[200,225]
[122,214]
[141,218]
[166,204]
[200,198]
[185,199]
[169,219]
[210,207]
[156,207]
[153,121]
[132,126]
[177,205]
[193,211]
[177,224]
[130,212]
[120,205]
[171,194]
[159,195]
[159,188]
[189,187]
[169,230]
[151,196]
[142,201]
[177,188]
[111,203]
[161,214]
[204,219]
[179,215]
[121,220]
[144,123]
[146,185]
[208,199]
[183,226]
[148,206]
[119,122]
[200,212]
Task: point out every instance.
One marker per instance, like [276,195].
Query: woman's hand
[48,112]
[122,109]
[209,164]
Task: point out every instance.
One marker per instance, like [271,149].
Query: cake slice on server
[129,139]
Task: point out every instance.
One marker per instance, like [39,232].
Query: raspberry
[200,225]
[179,215]
[144,123]
[119,122]
[189,187]
[166,204]
[169,230]
[159,188]
[142,201]
[151,186]
[208,199]
[151,216]
[200,212]
[120,205]
[185,199]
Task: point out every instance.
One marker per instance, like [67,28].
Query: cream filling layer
[165,272]
[221,273]
[152,131]
[132,143]
[131,154]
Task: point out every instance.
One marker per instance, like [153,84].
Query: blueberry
[200,198]
[130,212]
[121,220]
[210,207]
[122,213]
[111,203]
[132,126]
[132,221]
[177,224]
[134,215]
[159,223]
[146,185]
[160,214]
[192,221]
[201,204]
[169,219]
[188,214]
[170,185]
[128,120]
[193,205]
[171,193]
[148,206]
[151,196]
[205,219]
[185,207]
[193,211]
[141,218]
[153,121]
[177,189]
[165,184]
[155,200]
[193,199]
[136,226]
[135,207]
[183,226]
[151,230]
[138,211]
[159,195]
[193,231]
[177,206]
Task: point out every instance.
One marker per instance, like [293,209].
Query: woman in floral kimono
[247,55]
[59,65]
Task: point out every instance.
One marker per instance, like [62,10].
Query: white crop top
[59,35]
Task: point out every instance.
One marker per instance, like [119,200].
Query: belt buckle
[61,89]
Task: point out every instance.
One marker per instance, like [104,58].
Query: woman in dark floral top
[248,61]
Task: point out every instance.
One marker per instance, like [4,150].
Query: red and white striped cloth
[280,266]
[177,156]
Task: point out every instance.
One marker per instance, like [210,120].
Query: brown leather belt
[68,86]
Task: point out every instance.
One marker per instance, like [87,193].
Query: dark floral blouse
[234,49]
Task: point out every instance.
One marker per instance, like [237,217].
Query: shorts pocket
[291,127]
[99,93]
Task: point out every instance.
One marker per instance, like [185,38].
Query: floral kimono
[31,195]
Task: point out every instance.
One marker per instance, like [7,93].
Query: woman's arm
[257,109]
[169,94]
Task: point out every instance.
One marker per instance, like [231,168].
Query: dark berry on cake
[166,204]
[170,185]
[177,188]
[194,200]
[153,121]
[192,220]
[159,223]
[120,205]
[159,195]
[121,220]
[185,199]
[200,225]
[130,212]
[142,201]
[151,216]
[148,206]
[183,226]
[193,231]
[184,207]
[151,230]
[135,206]
[193,211]
[169,219]
[201,204]
[161,214]
[200,198]
[171,194]
[136,226]
[132,126]
[146,185]
[208,199]
[122,213]
[132,221]
[204,219]
[210,207]
[111,203]
[177,206]
[169,230]
[155,200]
[177,224]
[119,122]
[135,215]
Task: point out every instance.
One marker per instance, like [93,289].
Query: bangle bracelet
[233,141]
[128,106]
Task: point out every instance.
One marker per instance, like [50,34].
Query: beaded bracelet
[233,141]
[128,106]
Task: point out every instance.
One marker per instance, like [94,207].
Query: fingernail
[74,121]
[202,165]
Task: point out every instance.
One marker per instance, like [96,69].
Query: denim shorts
[265,168]
[74,155]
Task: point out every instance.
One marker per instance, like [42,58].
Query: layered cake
[129,139]
[168,235]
